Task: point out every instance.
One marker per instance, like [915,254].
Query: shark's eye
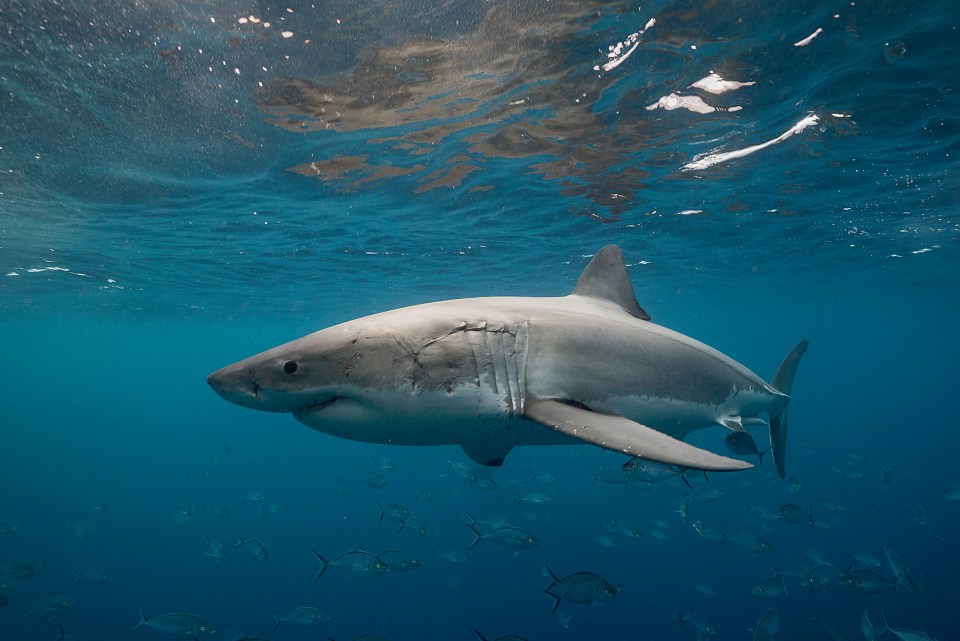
[290,367]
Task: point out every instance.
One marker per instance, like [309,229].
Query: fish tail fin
[380,507]
[480,636]
[884,626]
[60,633]
[678,616]
[553,577]
[143,619]
[553,581]
[77,575]
[761,453]
[783,382]
[517,498]
[323,566]
[476,536]
[556,600]
[276,620]
[239,542]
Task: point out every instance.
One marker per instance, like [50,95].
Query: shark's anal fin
[490,453]
[623,435]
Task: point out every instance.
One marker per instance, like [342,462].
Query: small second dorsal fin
[606,278]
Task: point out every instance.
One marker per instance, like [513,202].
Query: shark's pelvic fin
[783,382]
[623,435]
[606,278]
[489,452]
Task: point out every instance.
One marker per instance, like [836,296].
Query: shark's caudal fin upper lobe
[783,382]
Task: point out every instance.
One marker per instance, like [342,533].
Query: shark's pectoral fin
[490,452]
[617,433]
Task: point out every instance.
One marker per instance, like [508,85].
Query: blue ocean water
[186,183]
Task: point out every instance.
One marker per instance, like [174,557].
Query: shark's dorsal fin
[606,278]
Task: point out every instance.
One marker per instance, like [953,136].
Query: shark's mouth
[316,407]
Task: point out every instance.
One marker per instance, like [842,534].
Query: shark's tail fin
[782,382]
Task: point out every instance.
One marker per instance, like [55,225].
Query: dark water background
[150,232]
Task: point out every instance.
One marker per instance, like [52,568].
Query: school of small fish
[713,521]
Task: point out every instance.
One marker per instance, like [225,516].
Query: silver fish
[303,617]
[742,443]
[870,632]
[582,588]
[424,493]
[708,532]
[704,628]
[769,587]
[374,479]
[749,542]
[900,571]
[95,574]
[396,512]
[793,513]
[214,548]
[177,625]
[415,525]
[383,463]
[487,523]
[904,634]
[626,528]
[462,470]
[614,476]
[256,545]
[648,471]
[19,569]
[831,628]
[401,560]
[865,581]
[48,608]
[533,498]
[512,538]
[821,577]
[767,625]
[356,563]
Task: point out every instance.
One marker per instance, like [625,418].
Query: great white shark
[490,374]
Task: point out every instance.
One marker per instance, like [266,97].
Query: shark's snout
[235,386]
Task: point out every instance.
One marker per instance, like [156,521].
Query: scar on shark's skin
[589,367]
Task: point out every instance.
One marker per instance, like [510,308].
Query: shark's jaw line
[495,373]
